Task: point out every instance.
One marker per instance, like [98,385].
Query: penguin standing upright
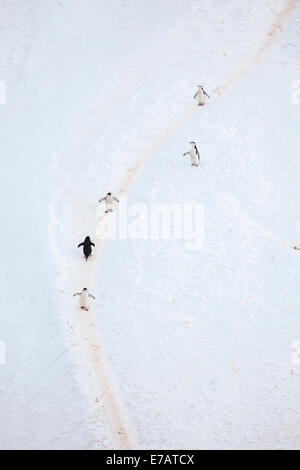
[87,247]
[109,202]
[84,299]
[194,154]
[200,95]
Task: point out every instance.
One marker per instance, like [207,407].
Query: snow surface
[182,349]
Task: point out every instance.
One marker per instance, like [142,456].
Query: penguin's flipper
[80,244]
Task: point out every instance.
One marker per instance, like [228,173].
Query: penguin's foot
[86,309]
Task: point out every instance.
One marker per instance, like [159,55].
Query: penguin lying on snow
[194,154]
[87,247]
[84,299]
[109,202]
[200,95]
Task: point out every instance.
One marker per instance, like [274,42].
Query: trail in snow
[102,381]
[274,32]
[106,391]
[102,389]
[101,386]
[272,36]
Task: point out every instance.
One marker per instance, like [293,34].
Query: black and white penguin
[194,154]
[200,95]
[84,299]
[87,247]
[109,202]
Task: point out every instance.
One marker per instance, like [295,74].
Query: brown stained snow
[271,37]
[87,329]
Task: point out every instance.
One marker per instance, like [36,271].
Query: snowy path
[180,349]
[87,327]
[271,36]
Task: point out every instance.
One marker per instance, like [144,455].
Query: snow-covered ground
[182,348]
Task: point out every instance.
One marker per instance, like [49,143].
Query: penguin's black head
[108,194]
[87,239]
[193,143]
[84,289]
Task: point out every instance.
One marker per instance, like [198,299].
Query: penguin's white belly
[109,203]
[201,97]
[83,301]
[109,207]
[194,158]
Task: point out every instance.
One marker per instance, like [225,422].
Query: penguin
[84,299]
[109,202]
[194,154]
[87,247]
[200,95]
